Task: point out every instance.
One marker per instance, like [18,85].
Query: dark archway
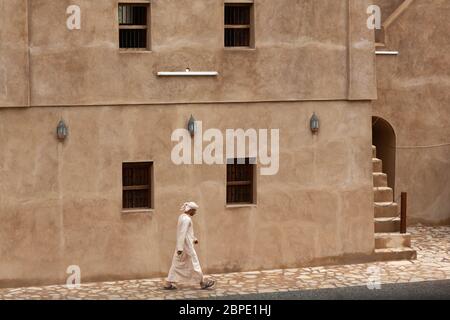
[384,138]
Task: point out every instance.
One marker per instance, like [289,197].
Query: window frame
[147,26]
[250,26]
[252,182]
[150,186]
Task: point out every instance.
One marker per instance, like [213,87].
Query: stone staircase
[391,11]
[390,244]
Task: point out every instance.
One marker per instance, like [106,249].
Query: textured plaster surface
[414,96]
[13,53]
[297,42]
[433,263]
[61,203]
[388,7]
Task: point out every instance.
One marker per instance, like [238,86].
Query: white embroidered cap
[189,206]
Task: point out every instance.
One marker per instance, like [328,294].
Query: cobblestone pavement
[433,263]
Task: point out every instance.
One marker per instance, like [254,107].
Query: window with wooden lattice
[239,25]
[133,26]
[240,182]
[137,185]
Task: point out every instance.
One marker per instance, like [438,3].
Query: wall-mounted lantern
[192,127]
[314,124]
[61,130]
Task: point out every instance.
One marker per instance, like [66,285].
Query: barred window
[137,185]
[238,25]
[133,26]
[240,182]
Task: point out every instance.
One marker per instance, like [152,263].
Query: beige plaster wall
[387,7]
[414,96]
[60,203]
[297,43]
[13,53]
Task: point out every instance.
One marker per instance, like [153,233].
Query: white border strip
[188,74]
[387,53]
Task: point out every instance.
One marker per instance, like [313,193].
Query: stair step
[390,244]
[392,254]
[386,225]
[377,165]
[379,179]
[392,240]
[383,194]
[386,210]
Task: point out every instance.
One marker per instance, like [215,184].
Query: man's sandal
[207,284]
[170,286]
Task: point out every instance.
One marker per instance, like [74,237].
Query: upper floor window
[239,25]
[133,25]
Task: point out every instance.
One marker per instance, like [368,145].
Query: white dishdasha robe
[185,267]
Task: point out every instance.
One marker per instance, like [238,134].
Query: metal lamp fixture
[314,124]
[192,127]
[61,130]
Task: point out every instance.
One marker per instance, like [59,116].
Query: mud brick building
[106,197]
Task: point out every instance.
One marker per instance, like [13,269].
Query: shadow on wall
[383,137]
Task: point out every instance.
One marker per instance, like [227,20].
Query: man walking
[185,264]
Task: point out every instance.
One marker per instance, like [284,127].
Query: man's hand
[195,241]
[179,252]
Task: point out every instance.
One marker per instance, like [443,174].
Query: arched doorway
[383,137]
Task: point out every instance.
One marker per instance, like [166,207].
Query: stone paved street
[433,263]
